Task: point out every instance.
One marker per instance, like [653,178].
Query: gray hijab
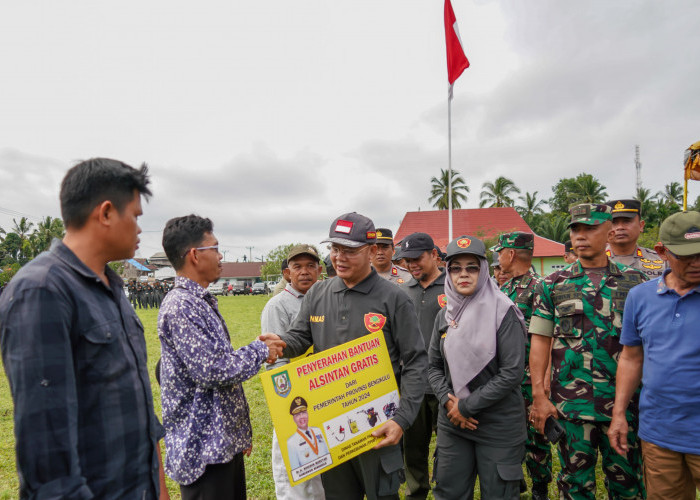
[470,342]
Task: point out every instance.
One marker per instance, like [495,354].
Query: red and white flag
[457,62]
[343,226]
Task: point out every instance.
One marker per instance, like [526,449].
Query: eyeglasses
[473,269]
[685,259]
[346,251]
[213,247]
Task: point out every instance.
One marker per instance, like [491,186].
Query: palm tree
[645,198]
[531,206]
[440,187]
[48,229]
[672,194]
[23,229]
[498,193]
[554,227]
[588,189]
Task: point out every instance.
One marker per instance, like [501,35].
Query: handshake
[274,344]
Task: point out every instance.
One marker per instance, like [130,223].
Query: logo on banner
[374,322]
[464,242]
[283,385]
[442,300]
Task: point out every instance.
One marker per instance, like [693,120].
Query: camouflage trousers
[578,454]
[538,451]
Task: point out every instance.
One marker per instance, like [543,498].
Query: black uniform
[332,314]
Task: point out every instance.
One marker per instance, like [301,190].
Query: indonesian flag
[457,62]
[343,226]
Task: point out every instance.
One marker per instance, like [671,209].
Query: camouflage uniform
[538,456]
[585,321]
[521,290]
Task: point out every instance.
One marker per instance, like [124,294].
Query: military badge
[442,300]
[464,242]
[371,235]
[619,205]
[394,271]
[282,384]
[399,281]
[374,322]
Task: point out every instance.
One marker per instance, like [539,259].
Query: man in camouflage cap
[577,318]
[627,225]
[381,261]
[514,252]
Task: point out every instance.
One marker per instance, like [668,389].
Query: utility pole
[250,251]
[638,167]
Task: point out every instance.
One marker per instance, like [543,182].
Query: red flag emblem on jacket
[374,322]
[442,300]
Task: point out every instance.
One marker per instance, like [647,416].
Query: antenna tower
[638,167]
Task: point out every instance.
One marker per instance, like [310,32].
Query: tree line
[548,217]
[24,241]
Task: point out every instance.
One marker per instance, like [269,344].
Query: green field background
[242,315]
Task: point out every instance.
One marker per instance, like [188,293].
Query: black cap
[298,405]
[415,244]
[440,253]
[466,245]
[385,236]
[567,247]
[624,208]
[352,230]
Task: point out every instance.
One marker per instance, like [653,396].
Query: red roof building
[483,223]
[241,271]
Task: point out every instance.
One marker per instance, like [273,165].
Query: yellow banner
[324,407]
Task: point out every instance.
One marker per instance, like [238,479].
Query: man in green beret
[514,252]
[577,319]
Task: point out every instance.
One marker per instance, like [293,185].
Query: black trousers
[219,481]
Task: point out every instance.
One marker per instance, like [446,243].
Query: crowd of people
[148,294]
[596,358]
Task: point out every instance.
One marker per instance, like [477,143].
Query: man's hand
[617,434]
[392,433]
[248,451]
[542,408]
[274,344]
[456,417]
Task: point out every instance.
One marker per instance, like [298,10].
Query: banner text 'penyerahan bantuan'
[325,407]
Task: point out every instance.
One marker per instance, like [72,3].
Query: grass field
[242,315]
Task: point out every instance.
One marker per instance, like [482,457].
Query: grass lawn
[242,315]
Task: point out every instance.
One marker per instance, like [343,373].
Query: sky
[273,118]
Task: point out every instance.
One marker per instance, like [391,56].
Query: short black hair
[285,264]
[96,180]
[181,234]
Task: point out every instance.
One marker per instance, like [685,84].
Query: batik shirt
[205,412]
[585,320]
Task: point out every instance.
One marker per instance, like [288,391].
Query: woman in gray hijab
[477,357]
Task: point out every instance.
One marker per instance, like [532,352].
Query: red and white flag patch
[343,226]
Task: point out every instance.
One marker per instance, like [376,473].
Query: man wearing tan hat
[381,261]
[662,350]
[301,272]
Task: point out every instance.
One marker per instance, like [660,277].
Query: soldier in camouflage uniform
[622,242]
[515,257]
[577,316]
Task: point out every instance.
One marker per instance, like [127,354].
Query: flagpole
[449,164]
